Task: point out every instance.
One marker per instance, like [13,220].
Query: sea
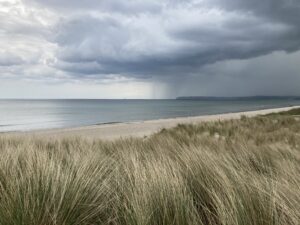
[27,115]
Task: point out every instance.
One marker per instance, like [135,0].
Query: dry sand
[140,129]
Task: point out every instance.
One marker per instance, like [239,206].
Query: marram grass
[239,172]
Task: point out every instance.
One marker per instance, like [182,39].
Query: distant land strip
[245,98]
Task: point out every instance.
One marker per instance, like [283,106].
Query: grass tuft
[237,172]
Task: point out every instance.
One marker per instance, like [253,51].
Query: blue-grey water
[24,115]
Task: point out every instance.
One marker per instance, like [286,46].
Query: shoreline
[111,131]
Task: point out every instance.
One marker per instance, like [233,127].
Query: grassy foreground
[237,172]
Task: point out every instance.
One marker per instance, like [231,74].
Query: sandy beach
[140,129]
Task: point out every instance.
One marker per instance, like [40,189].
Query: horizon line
[200,96]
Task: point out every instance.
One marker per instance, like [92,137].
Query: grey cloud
[174,40]
[85,38]
[9,59]
[110,44]
[118,6]
[168,46]
[281,10]
[169,41]
[17,20]
[275,74]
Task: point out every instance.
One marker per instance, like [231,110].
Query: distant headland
[243,98]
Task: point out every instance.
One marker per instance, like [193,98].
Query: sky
[149,48]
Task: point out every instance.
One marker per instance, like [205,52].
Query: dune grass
[293,112]
[238,172]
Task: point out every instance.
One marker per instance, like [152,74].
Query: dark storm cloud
[280,10]
[173,41]
[180,39]
[274,74]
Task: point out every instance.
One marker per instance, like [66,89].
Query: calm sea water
[23,115]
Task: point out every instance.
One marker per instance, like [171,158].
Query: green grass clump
[237,172]
[293,112]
